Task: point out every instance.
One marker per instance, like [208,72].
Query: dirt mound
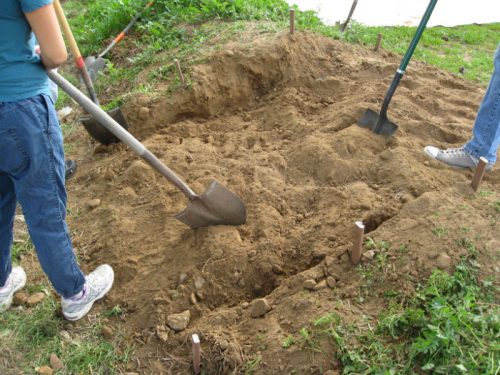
[274,120]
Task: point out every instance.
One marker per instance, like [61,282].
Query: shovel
[216,206]
[96,63]
[95,130]
[380,124]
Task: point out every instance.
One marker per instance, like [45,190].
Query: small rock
[331,282]
[320,285]
[45,370]
[199,282]
[94,203]
[252,253]
[179,322]
[100,149]
[443,261]
[192,299]
[345,258]
[259,307]
[20,298]
[309,284]
[245,305]
[162,333]
[64,112]
[35,299]
[64,335]
[107,332]
[55,362]
[368,255]
[181,279]
[426,163]
[277,270]
[144,113]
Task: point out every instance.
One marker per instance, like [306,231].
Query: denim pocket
[14,158]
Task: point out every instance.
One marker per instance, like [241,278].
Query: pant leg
[7,213]
[40,190]
[486,131]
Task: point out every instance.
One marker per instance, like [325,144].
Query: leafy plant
[451,326]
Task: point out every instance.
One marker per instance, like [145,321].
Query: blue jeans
[32,173]
[486,131]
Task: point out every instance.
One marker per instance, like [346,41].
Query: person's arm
[43,22]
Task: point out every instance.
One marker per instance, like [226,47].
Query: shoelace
[459,151]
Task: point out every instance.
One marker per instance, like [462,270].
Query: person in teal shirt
[32,159]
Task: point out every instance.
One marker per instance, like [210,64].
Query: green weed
[35,333]
[451,326]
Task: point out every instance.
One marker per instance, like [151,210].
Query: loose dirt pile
[274,120]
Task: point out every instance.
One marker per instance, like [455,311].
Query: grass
[31,335]
[180,28]
[451,326]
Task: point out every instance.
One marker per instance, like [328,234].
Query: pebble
[179,322]
[368,255]
[45,370]
[199,282]
[331,282]
[443,261]
[259,307]
[55,362]
[107,332]
[192,299]
[144,113]
[35,299]
[309,284]
[64,335]
[20,298]
[94,203]
[320,285]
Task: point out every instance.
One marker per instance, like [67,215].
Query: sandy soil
[273,118]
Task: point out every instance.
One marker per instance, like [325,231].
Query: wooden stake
[379,42]
[178,67]
[196,354]
[478,175]
[292,21]
[357,243]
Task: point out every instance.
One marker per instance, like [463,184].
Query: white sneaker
[15,281]
[454,157]
[97,284]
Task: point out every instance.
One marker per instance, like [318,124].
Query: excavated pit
[273,120]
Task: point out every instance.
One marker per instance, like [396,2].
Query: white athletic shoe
[454,157]
[97,284]
[15,281]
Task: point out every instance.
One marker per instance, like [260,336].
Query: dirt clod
[55,362]
[259,307]
[179,322]
[35,299]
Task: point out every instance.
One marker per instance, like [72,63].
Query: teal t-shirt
[22,74]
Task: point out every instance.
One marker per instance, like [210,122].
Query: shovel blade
[99,132]
[377,123]
[216,206]
[94,65]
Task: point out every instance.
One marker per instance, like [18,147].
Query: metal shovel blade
[99,132]
[94,65]
[377,123]
[216,206]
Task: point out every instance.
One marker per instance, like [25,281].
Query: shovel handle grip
[107,121]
